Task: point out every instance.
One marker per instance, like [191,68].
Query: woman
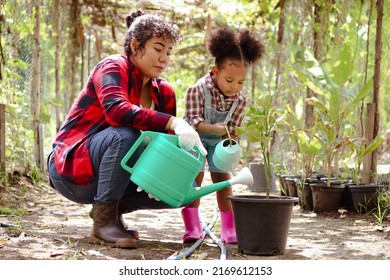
[123,96]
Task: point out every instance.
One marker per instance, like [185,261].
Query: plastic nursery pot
[326,198]
[262,223]
[305,196]
[365,197]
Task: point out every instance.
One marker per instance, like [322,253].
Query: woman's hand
[188,137]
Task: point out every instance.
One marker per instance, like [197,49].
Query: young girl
[216,103]
[124,95]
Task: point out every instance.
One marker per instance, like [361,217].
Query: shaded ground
[55,228]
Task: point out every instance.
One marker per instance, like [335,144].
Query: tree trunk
[82,63]
[2,139]
[377,78]
[75,33]
[278,73]
[89,53]
[2,21]
[57,29]
[361,129]
[279,52]
[36,88]
[98,46]
[369,133]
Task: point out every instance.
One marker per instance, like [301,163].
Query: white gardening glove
[139,189]
[188,137]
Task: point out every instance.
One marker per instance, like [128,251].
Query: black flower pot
[326,198]
[292,185]
[305,196]
[285,189]
[364,197]
[262,223]
[283,184]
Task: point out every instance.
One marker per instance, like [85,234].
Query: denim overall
[213,116]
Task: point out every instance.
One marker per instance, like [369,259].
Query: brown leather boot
[107,229]
[122,210]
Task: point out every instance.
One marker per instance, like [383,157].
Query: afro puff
[225,44]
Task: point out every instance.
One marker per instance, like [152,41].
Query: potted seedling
[309,148]
[337,99]
[361,195]
[262,221]
[307,153]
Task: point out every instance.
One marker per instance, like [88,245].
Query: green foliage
[34,174]
[11,211]
[362,147]
[306,144]
[383,207]
[263,118]
[337,99]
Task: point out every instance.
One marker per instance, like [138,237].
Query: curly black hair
[227,44]
[142,27]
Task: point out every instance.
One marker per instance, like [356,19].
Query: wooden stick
[230,138]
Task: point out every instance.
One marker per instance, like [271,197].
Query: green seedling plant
[336,98]
[362,208]
[383,207]
[362,147]
[310,147]
[263,118]
[380,214]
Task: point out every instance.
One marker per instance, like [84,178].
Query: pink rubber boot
[228,230]
[192,224]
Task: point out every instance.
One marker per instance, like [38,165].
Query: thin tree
[76,33]
[36,88]
[278,74]
[372,128]
[57,33]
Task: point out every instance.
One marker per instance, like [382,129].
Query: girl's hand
[219,129]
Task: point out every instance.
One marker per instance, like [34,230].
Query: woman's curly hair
[226,44]
[142,27]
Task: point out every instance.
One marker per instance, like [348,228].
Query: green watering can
[168,172]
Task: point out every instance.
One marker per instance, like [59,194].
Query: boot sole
[191,239]
[93,239]
[131,232]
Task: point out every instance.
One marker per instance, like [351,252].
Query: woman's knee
[126,135]
[116,139]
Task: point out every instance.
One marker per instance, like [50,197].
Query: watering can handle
[152,135]
[133,148]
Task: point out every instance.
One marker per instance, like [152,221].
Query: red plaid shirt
[195,104]
[112,97]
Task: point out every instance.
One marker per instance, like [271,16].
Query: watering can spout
[243,177]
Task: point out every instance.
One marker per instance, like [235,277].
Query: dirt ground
[55,228]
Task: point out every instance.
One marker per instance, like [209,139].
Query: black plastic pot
[364,197]
[262,223]
[326,198]
[305,196]
[283,184]
[292,188]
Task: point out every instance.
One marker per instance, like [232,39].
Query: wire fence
[16,94]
